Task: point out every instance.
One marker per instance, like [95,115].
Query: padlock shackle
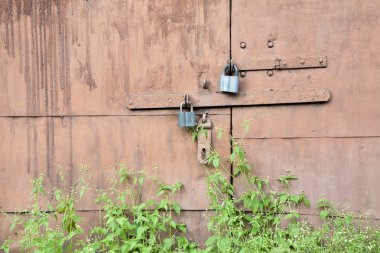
[236,70]
[184,104]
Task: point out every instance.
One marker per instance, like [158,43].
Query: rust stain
[44,60]
[85,70]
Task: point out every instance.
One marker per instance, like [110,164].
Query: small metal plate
[257,97]
[284,63]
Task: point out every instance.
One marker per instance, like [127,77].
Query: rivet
[130,102]
[270,44]
[302,62]
[270,73]
[321,60]
[243,45]
[243,74]
[170,100]
[284,63]
[205,83]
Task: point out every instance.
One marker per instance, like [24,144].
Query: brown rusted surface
[284,63]
[84,57]
[255,97]
[345,31]
[30,148]
[346,170]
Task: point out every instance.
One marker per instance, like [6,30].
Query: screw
[243,45]
[205,83]
[270,44]
[243,74]
[270,73]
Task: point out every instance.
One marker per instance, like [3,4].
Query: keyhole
[203,154]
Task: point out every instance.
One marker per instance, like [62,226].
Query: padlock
[229,84]
[186,119]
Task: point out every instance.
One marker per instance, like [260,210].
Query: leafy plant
[262,219]
[131,224]
[254,218]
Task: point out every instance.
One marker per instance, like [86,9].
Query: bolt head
[243,45]
[270,44]
[243,74]
[302,62]
[205,83]
[170,100]
[270,73]
[130,102]
[321,60]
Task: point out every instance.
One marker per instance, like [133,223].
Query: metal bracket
[256,97]
[284,63]
[204,139]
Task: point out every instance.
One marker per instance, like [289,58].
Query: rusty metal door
[70,71]
[66,71]
[334,148]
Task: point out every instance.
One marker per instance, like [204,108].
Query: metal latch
[306,62]
[204,139]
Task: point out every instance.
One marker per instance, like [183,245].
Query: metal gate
[74,76]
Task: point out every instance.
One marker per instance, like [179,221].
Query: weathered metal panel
[31,146]
[346,170]
[255,97]
[85,57]
[347,32]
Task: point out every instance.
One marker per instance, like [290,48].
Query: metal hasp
[256,97]
[204,139]
[284,63]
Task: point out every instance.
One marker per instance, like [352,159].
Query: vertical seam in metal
[231,125]
[231,148]
[230,28]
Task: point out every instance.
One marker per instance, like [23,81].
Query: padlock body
[182,119]
[190,119]
[229,84]
[186,119]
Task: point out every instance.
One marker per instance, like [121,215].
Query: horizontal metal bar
[256,97]
[284,63]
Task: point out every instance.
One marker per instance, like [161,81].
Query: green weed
[257,218]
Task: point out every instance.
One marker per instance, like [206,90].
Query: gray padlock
[186,119]
[229,84]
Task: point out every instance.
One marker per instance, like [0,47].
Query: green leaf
[181,228]
[306,201]
[141,181]
[324,214]
[173,224]
[176,208]
[82,191]
[210,241]
[255,205]
[140,232]
[232,157]
[220,133]
[215,162]
[168,243]
[12,226]
[295,198]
